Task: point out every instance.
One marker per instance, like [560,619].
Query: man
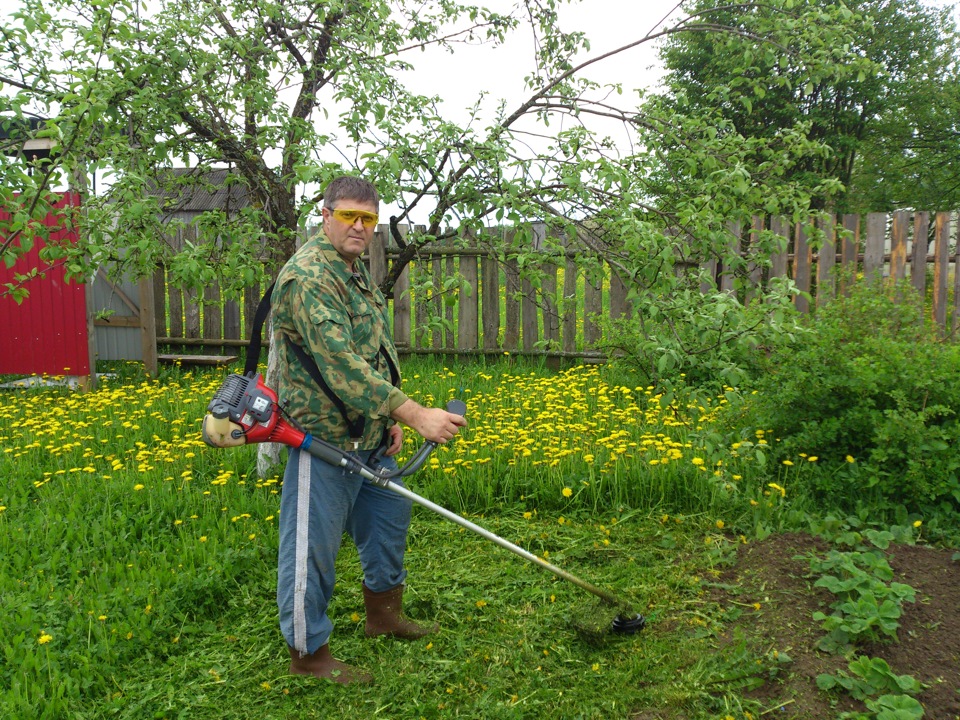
[324,301]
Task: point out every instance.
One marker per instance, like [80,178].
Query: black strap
[354,427]
[256,333]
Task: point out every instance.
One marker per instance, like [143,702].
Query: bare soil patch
[773,573]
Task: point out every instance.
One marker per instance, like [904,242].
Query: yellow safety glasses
[349,217]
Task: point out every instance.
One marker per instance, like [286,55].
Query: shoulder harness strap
[354,427]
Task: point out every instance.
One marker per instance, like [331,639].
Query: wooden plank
[779,258]
[449,330]
[898,245]
[826,261]
[402,301]
[252,295]
[918,259]
[421,314]
[401,309]
[490,291]
[875,247]
[731,258]
[592,311]
[551,316]
[191,313]
[754,269]
[570,305]
[468,307]
[708,276]
[956,284]
[802,265]
[941,268]
[148,326]
[529,316]
[618,295]
[377,254]
[160,300]
[511,328]
[850,252]
[436,302]
[231,319]
[197,359]
[212,320]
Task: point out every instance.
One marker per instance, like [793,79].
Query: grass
[139,565]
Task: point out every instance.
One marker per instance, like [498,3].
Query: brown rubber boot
[385,616]
[321,664]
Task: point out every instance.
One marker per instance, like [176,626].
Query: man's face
[349,239]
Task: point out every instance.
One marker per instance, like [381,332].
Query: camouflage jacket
[340,319]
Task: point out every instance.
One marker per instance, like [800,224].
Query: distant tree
[892,126]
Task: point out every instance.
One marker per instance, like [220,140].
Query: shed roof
[196,190]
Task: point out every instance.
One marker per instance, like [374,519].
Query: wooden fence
[492,309]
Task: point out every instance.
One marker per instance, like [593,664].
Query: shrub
[872,393]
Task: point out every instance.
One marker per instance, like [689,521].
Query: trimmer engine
[244,410]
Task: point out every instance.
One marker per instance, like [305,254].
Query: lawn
[139,565]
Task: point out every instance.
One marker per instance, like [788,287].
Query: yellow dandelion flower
[481,603]
[851,459]
[917,523]
[265,685]
[779,489]
[44,639]
[812,458]
[355,617]
[567,492]
[203,538]
[720,524]
[756,606]
[138,486]
[697,461]
[788,463]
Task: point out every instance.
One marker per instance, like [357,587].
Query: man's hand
[434,424]
[396,440]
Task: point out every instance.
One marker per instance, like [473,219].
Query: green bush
[874,395]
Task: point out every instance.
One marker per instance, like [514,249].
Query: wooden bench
[197,359]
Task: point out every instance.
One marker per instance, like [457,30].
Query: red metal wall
[47,332]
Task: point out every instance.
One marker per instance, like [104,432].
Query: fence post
[778,261]
[898,245]
[802,262]
[511,333]
[569,302]
[733,251]
[754,269]
[490,289]
[468,307]
[850,253]
[377,254]
[918,261]
[956,283]
[826,261]
[941,268]
[874,250]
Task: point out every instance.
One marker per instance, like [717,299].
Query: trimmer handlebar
[244,410]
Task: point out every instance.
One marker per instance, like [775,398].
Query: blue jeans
[320,502]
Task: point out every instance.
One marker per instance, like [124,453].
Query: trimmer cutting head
[592,622]
[628,624]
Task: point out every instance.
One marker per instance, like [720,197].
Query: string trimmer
[244,410]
